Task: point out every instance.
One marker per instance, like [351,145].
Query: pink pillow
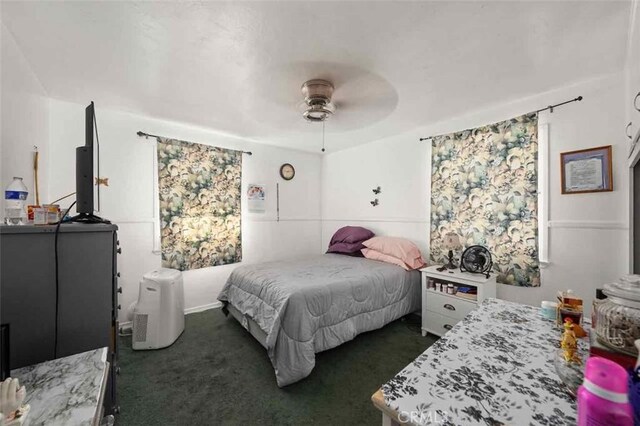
[376,255]
[399,248]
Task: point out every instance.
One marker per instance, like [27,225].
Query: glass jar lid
[628,287]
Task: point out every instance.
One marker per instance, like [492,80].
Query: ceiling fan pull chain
[323,136]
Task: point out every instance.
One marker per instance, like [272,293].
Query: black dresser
[87,293]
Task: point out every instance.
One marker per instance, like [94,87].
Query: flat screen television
[85,178]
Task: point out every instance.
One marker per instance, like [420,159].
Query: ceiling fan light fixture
[317,97]
[318,112]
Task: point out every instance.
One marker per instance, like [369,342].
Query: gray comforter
[311,305]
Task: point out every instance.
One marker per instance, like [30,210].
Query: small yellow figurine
[569,344]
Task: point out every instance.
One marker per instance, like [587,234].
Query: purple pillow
[352,249]
[351,234]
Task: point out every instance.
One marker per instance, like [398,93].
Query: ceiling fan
[317,105]
[346,96]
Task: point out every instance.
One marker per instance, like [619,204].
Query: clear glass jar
[618,317]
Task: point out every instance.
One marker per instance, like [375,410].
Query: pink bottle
[603,396]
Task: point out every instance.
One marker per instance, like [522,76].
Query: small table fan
[477,260]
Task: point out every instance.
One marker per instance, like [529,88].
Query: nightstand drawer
[438,324]
[448,306]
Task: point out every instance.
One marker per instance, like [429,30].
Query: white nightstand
[441,311]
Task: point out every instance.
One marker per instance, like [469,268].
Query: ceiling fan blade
[362,98]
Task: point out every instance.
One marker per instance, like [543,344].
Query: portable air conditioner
[158,316]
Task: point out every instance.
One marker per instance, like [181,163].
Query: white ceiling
[237,67]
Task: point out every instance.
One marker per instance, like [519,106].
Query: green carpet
[216,373]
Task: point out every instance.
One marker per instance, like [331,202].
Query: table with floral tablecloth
[494,367]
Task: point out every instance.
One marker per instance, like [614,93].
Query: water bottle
[15,199]
[634,387]
[603,396]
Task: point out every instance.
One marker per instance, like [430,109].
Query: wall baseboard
[128,324]
[202,308]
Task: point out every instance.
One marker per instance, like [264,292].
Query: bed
[298,308]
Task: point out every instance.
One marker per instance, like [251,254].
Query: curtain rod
[550,108]
[147,135]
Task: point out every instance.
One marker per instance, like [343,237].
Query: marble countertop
[66,391]
[494,367]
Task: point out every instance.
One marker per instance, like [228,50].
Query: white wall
[25,120]
[588,235]
[127,160]
[632,69]
[398,166]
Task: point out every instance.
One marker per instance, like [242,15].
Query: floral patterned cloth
[496,367]
[200,193]
[484,188]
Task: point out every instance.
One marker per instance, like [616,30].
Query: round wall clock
[287,172]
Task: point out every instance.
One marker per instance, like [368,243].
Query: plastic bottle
[634,387]
[603,396]
[15,199]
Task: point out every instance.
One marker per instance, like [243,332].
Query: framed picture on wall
[586,170]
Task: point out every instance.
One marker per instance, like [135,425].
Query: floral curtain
[484,188]
[199,190]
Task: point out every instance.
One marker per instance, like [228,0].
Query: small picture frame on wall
[256,195]
[586,170]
